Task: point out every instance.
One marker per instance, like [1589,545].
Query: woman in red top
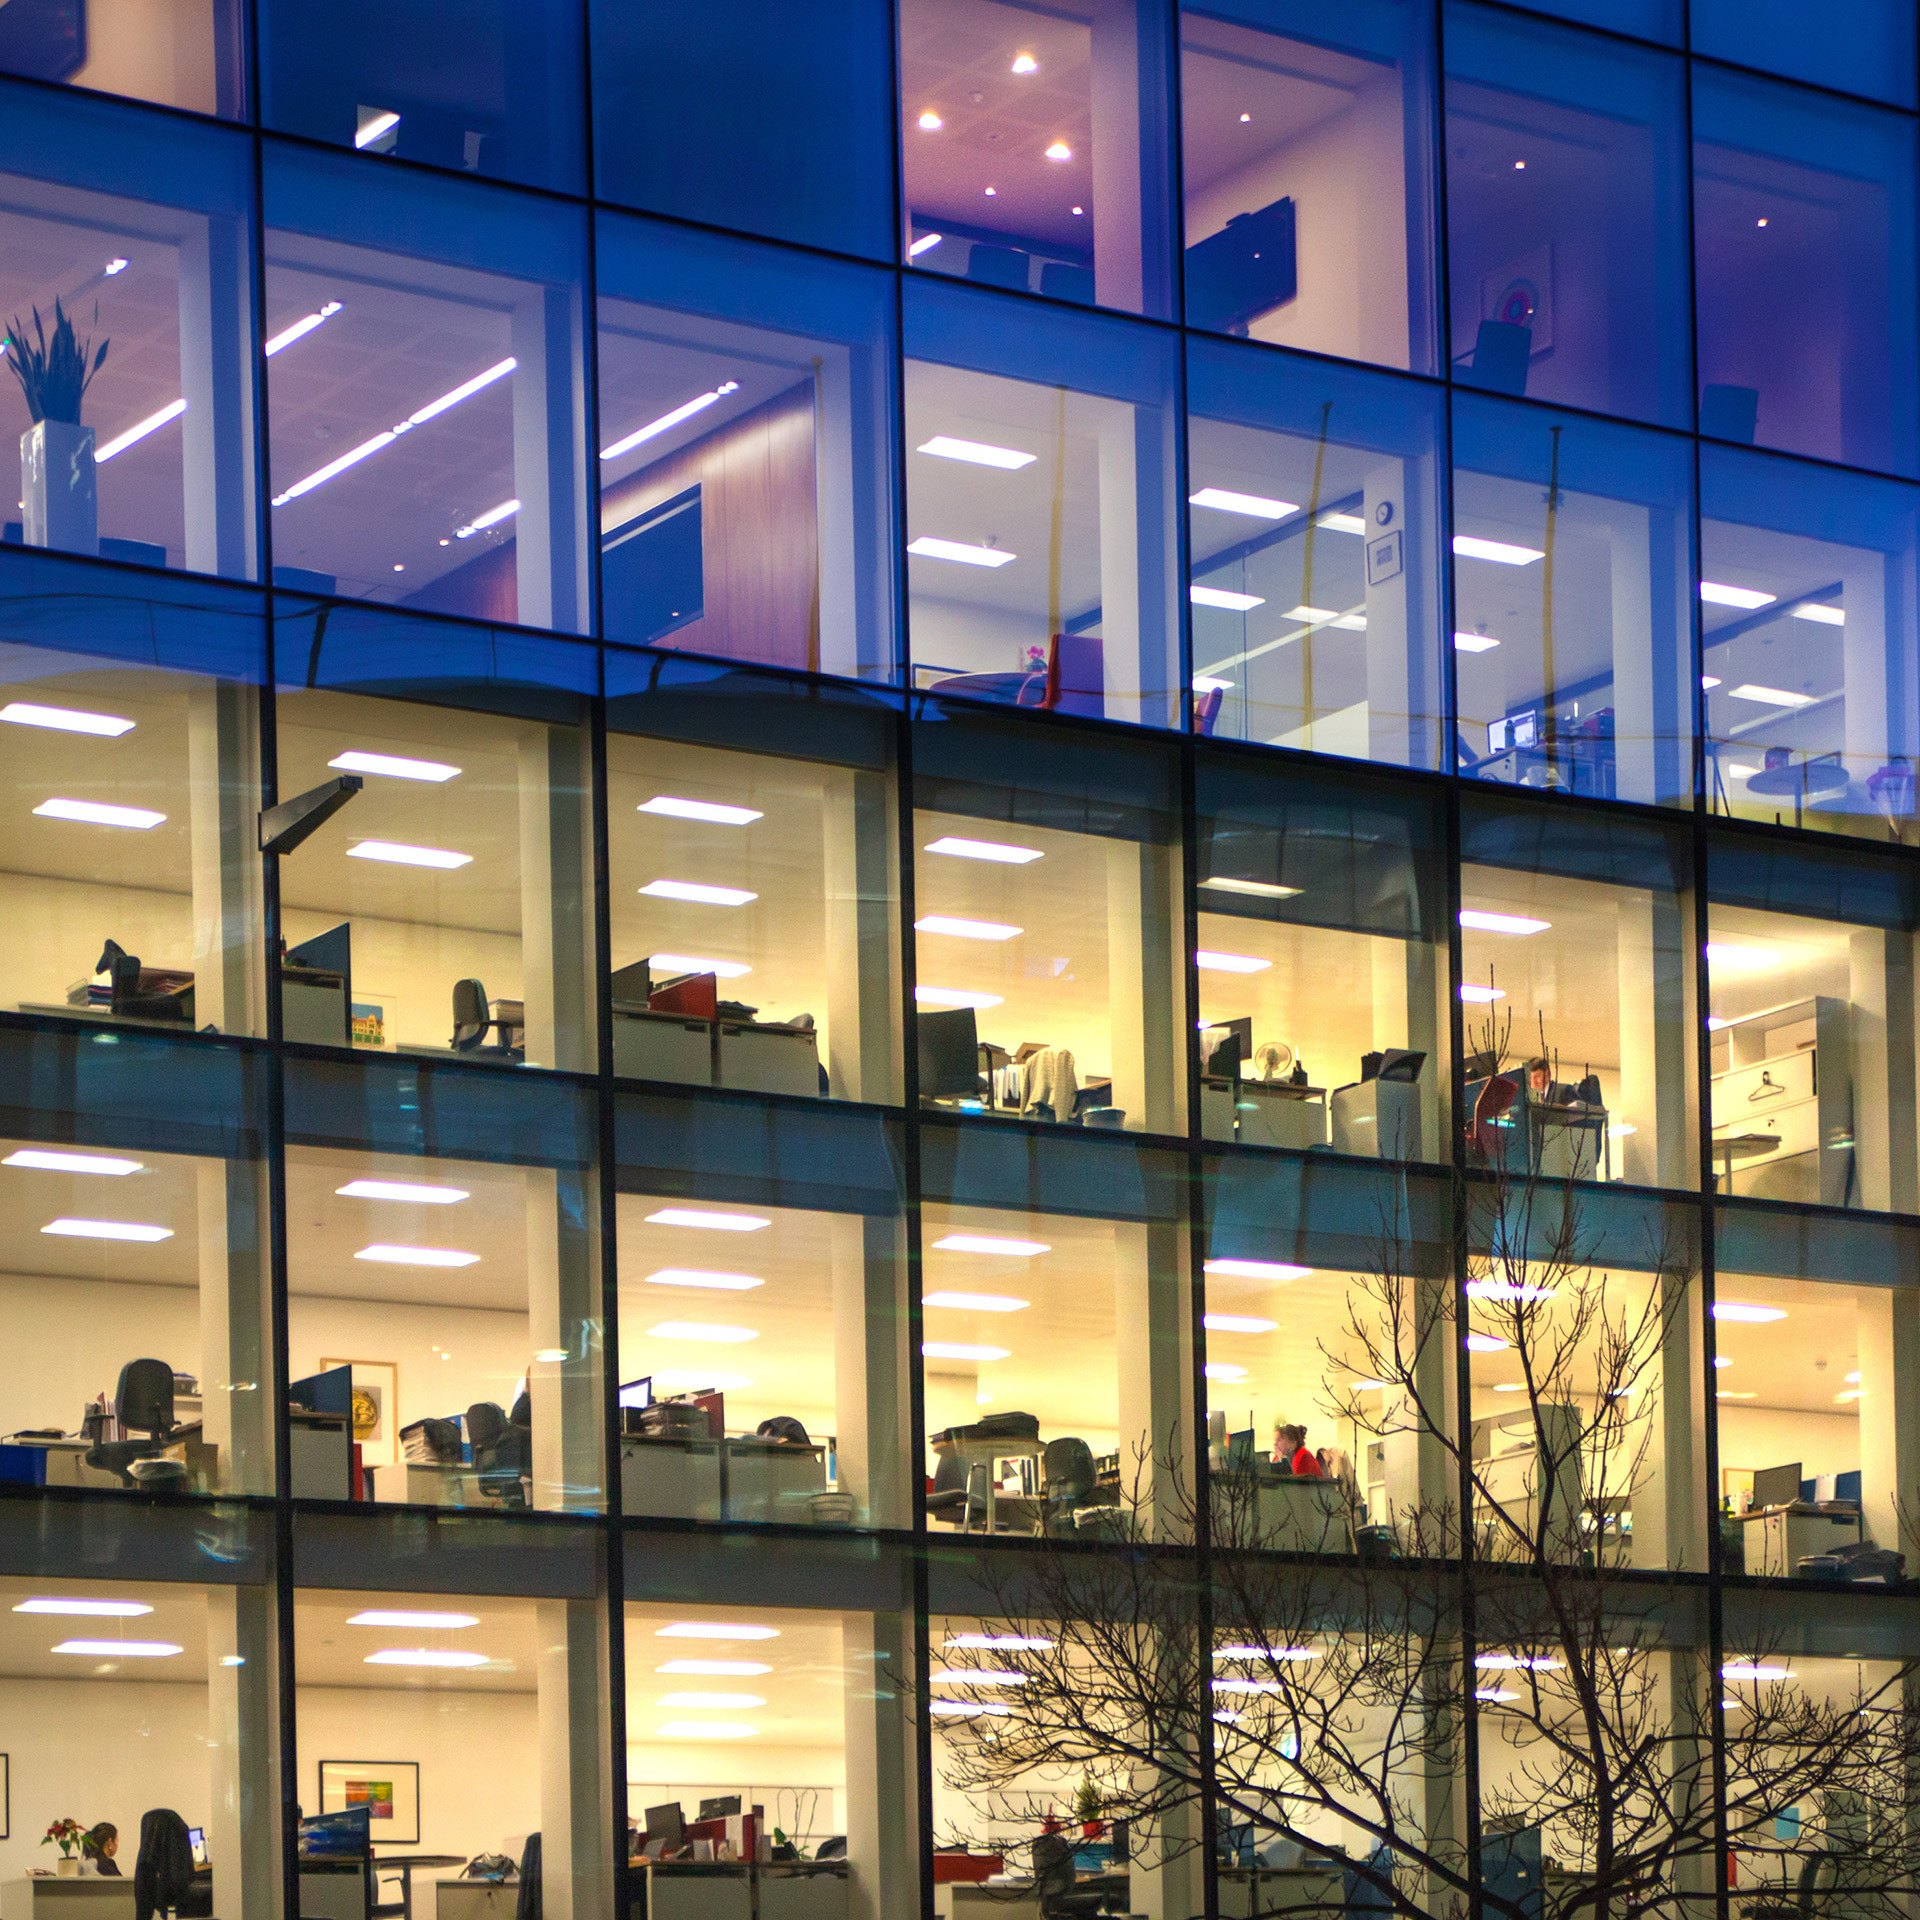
[1290,1449]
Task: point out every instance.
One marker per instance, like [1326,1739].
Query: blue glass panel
[1866,47]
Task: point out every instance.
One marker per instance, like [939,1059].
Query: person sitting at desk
[99,1844]
[1290,1450]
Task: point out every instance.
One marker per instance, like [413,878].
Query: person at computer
[1290,1451]
[99,1844]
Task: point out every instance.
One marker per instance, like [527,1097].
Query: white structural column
[556,893]
[1651,704]
[576,1808]
[1888,1326]
[1405,976]
[1655,995]
[1400,624]
[551,566]
[1876,601]
[223,783]
[883,1815]
[216,381]
[243,1753]
[236,1368]
[1145,993]
[860,1047]
[1881,1028]
[1670,1496]
[870,1367]
[563,1311]
[1131,55]
[1138,609]
[1423,1491]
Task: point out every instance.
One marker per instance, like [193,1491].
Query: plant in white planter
[56,453]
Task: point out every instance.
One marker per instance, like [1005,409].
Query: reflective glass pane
[1871,53]
[1566,217]
[1308,177]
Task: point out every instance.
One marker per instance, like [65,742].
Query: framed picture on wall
[376,1408]
[388,1789]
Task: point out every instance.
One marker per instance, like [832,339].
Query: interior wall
[1771,1436]
[53,930]
[154,50]
[777,1778]
[68,1339]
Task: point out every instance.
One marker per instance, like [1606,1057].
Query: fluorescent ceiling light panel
[139,431]
[966,554]
[969,1709]
[1342,523]
[97,813]
[960,1350]
[977,1677]
[1470,546]
[410,1617]
[396,853]
[1518,1662]
[300,329]
[714,1669]
[1747,599]
[1256,1269]
[716,1702]
[956,997]
[1484,1343]
[714,1630]
[976,1302]
[412,1192]
[999,1642]
[1222,598]
[701,1330]
[1755,1670]
[54,1160]
[1480,921]
[373,127]
[85,1609]
[703,1279]
[1311,614]
[1474,643]
[1747,1313]
[977,453]
[1516,1290]
[1264,1653]
[699,893]
[1769,696]
[135,1231]
[925,244]
[1252,889]
[1237,1323]
[393,766]
[1210,683]
[385,1254]
[1221,1370]
[705,1217]
[491,518]
[28,713]
[425,1657]
[1821,615]
[1209,961]
[1481,996]
[714,812]
[694,963]
[963,929]
[1255,506]
[704,1730]
[668,421]
[991,1243]
[961,848]
[120,1649]
[465,391]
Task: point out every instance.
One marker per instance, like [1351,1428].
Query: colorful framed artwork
[376,1409]
[388,1789]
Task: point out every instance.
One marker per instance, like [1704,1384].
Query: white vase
[67,1867]
[57,487]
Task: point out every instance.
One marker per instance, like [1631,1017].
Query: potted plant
[57,486]
[67,1836]
[1087,1808]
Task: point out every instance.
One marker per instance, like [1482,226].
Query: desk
[1553,1130]
[804,1890]
[319,1455]
[89,1897]
[1263,1113]
[1775,1540]
[1731,1147]
[63,1463]
[694,1889]
[102,1016]
[984,1454]
[1377,1118]
[1010,1897]
[406,1865]
[1302,1514]
[1813,778]
[744,1478]
[475,1899]
[752,1056]
[1246,1891]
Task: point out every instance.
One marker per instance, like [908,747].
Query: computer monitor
[949,1042]
[347,1834]
[668,1825]
[632,983]
[197,1841]
[1776,1486]
[1225,1046]
[637,1393]
[1399,1063]
[721,1807]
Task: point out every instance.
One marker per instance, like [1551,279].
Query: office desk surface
[87,1897]
[693,1890]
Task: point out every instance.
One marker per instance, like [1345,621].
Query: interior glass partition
[1577,973]
[1048,982]
[1041,565]
[1036,147]
[137,231]
[1319,960]
[1807,643]
[1573,636]
[746,491]
[1309,187]
[425,353]
[1313,520]
[444,1289]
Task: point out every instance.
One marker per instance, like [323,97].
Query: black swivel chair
[1066,1483]
[1061,1894]
[953,1497]
[527,1906]
[163,1880]
[502,1449]
[474,1019]
[143,1402]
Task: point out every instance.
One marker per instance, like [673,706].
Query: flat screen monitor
[1398,1063]
[637,1393]
[1225,1046]
[949,1041]
[197,1842]
[667,1824]
[332,1836]
[1776,1486]
[721,1807]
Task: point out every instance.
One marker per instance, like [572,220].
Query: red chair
[1206,710]
[1495,1098]
[1076,675]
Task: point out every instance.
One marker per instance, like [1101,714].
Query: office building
[738,738]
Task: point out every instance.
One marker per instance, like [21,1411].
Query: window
[136,232]
[1873,56]
[1572,639]
[449,909]
[1320,922]
[763,1361]
[1566,217]
[753,114]
[424,375]
[1035,150]
[746,499]
[1040,539]
[1576,967]
[490,89]
[444,1288]
[755,894]
[1804,260]
[1313,521]
[181,53]
[130,758]
[1047,979]
[1309,190]
[1807,612]
[1812,1030]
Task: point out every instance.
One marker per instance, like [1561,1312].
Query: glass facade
[811,813]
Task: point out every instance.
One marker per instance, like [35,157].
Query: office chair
[953,1496]
[1076,675]
[1805,1889]
[784,1428]
[527,1906]
[502,1449]
[1061,1894]
[1496,1097]
[1066,1483]
[163,1881]
[474,1018]
[1502,354]
[1206,710]
[143,1401]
